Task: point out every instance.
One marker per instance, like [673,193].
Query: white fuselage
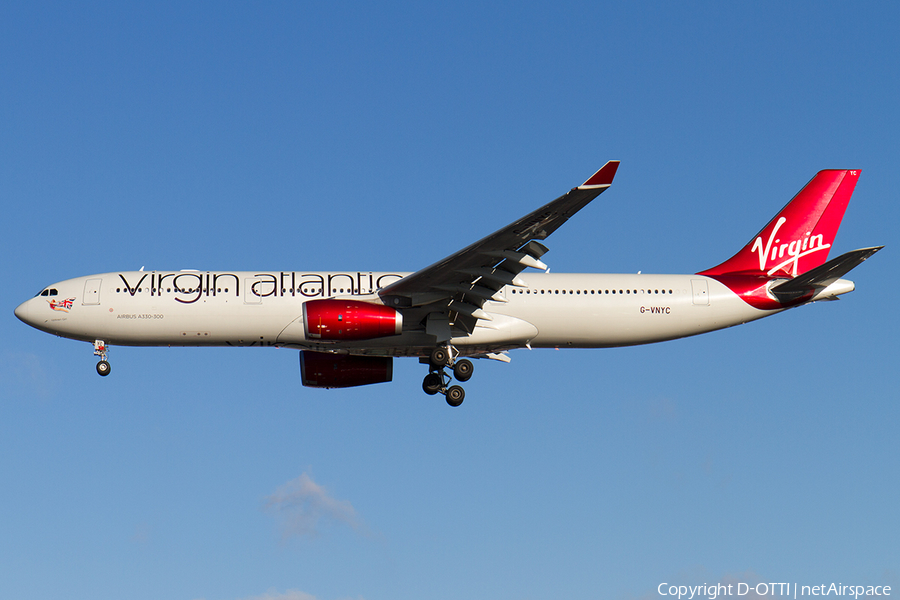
[205,308]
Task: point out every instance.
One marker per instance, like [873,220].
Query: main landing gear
[437,379]
[100,349]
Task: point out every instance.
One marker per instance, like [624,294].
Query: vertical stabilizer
[801,235]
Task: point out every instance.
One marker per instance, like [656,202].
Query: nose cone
[22,311]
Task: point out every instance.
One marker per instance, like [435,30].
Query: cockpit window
[44,293]
[48,292]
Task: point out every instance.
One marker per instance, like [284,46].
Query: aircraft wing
[461,283]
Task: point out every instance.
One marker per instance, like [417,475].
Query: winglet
[601,178]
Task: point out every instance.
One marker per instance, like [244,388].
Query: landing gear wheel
[463,369]
[455,395]
[100,349]
[439,357]
[432,384]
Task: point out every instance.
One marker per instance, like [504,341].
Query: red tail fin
[800,236]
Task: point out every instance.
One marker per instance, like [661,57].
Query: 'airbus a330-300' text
[480,302]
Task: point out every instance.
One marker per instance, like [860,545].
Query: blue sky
[384,137]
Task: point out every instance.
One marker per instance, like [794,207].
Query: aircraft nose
[22,311]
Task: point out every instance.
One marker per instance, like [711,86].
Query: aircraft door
[701,292]
[257,288]
[252,291]
[92,291]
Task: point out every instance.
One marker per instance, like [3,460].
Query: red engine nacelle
[323,370]
[334,319]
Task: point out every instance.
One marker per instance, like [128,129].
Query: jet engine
[338,320]
[325,370]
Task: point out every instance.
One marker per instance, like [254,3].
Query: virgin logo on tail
[795,249]
[807,225]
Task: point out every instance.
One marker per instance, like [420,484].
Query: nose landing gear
[100,349]
[437,379]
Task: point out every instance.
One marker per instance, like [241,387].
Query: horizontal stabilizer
[822,276]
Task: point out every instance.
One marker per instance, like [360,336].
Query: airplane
[479,302]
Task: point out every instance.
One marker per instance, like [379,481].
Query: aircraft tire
[463,369]
[455,395]
[432,384]
[439,357]
[103,368]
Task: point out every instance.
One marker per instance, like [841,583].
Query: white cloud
[303,507]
